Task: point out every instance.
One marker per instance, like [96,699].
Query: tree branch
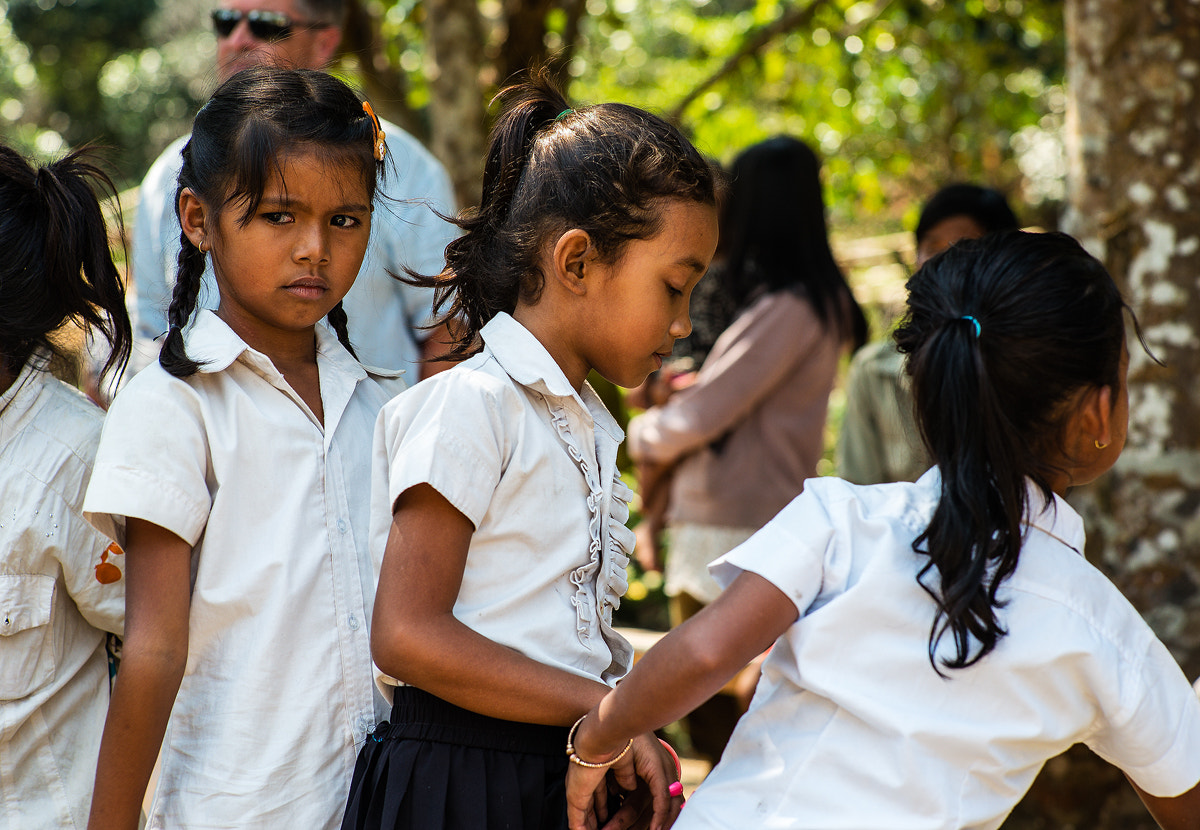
[792,18]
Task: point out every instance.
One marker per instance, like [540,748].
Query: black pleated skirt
[436,766]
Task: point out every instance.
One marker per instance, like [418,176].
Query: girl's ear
[192,217]
[572,255]
[1093,417]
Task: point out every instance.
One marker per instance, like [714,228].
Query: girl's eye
[278,218]
[673,291]
[344,221]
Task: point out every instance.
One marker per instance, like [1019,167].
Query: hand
[642,777]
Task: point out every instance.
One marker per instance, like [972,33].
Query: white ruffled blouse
[532,464]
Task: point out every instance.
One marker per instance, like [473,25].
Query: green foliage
[118,72]
[899,97]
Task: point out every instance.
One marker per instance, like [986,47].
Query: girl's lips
[309,288]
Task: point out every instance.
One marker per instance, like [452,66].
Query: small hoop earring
[1099,446]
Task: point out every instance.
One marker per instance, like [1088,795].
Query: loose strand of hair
[101,307]
[464,289]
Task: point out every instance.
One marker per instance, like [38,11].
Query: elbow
[401,649]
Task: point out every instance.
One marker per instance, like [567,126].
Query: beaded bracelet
[575,759]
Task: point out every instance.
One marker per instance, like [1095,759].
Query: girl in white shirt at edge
[937,642]
[234,461]
[61,589]
[496,483]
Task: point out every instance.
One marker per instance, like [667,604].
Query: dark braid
[173,356]
[337,318]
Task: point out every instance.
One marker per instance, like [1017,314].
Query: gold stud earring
[1099,446]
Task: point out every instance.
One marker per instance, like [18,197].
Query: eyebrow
[281,202]
[692,263]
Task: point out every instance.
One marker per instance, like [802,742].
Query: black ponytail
[238,142]
[56,265]
[1000,333]
[550,168]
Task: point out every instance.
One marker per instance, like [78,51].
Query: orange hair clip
[378,144]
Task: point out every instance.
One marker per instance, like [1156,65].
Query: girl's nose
[312,246]
[681,326]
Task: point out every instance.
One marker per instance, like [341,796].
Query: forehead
[289,7]
[309,175]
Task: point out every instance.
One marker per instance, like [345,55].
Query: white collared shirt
[385,315]
[278,689]
[851,727]
[532,464]
[54,612]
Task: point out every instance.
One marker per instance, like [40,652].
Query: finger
[600,799]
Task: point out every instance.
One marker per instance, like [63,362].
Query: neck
[287,349]
[543,326]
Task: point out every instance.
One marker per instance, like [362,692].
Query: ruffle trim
[605,568]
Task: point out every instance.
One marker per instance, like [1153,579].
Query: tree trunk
[458,118]
[1133,140]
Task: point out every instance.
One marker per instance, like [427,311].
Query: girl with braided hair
[238,464]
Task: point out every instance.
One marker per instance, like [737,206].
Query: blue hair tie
[978,328]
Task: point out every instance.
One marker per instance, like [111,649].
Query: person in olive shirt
[879,440]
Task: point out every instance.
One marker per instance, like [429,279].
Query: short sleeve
[790,552]
[152,463]
[447,432]
[1156,739]
[93,568]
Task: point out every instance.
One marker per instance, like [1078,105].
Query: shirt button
[352,622]
[341,525]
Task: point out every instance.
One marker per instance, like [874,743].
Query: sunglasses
[264,25]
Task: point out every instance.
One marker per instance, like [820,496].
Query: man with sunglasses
[385,316]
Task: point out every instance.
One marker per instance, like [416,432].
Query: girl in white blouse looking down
[498,507]
[936,642]
[239,462]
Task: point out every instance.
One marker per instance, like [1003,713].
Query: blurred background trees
[900,96]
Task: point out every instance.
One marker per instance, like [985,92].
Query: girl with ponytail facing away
[497,504]
[936,642]
[238,464]
[61,585]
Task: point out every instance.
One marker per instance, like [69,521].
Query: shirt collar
[215,346]
[527,362]
[1055,518]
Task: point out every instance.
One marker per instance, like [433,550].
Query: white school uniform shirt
[532,464]
[54,612]
[851,727]
[278,690]
[385,315]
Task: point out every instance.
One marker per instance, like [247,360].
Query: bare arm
[157,598]
[685,668]
[416,638]
[1179,813]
